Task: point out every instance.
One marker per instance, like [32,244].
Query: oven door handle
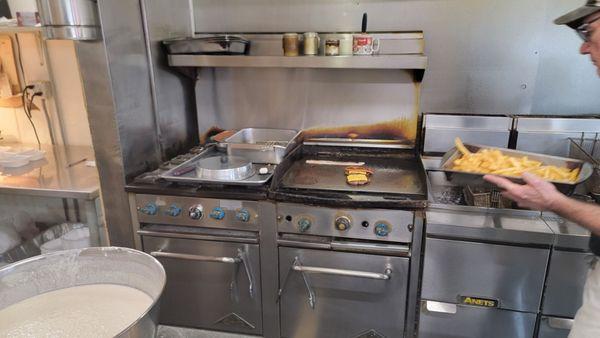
[306,270]
[228,260]
[241,258]
[386,275]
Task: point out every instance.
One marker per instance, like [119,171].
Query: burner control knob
[173,211]
[217,213]
[242,215]
[196,212]
[149,209]
[304,224]
[382,229]
[342,223]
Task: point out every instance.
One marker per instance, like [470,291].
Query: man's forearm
[585,214]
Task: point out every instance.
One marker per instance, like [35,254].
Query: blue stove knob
[173,211]
[243,215]
[304,224]
[149,209]
[382,229]
[217,213]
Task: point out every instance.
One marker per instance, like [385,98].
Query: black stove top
[316,175]
[152,183]
[313,175]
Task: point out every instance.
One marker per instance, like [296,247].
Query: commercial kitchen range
[304,254]
[285,246]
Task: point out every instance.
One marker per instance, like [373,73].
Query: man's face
[592,46]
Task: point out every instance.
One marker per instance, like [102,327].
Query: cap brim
[575,18]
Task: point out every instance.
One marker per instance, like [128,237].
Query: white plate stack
[18,158]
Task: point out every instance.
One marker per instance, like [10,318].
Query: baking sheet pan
[466,178]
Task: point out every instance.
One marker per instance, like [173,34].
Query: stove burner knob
[217,213]
[304,224]
[342,223]
[196,212]
[243,215]
[173,211]
[149,209]
[382,229]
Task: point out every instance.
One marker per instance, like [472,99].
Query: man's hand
[536,194]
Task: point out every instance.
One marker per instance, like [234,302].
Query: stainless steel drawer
[209,284]
[552,327]
[512,275]
[446,320]
[350,296]
[564,287]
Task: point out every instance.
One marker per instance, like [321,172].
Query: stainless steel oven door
[210,284]
[338,294]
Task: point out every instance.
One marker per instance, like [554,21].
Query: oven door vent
[234,320]
[370,334]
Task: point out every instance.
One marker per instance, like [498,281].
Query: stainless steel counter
[568,235]
[61,174]
[489,226]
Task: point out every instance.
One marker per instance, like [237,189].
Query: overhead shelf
[405,61]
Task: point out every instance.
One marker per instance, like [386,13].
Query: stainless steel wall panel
[303,98]
[484,56]
[473,322]
[564,286]
[105,137]
[129,71]
[551,135]
[512,275]
[173,93]
[439,131]
[118,99]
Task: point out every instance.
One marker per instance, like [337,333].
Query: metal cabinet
[512,275]
[210,284]
[564,287]
[554,327]
[341,294]
[447,320]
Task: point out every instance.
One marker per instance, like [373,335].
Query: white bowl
[51,246]
[14,161]
[76,239]
[32,154]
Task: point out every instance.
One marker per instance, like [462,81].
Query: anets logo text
[475,301]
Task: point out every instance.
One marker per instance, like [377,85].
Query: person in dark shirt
[540,195]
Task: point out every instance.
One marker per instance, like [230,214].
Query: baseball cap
[575,17]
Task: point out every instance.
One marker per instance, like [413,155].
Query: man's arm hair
[585,214]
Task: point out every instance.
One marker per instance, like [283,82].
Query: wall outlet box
[44,87]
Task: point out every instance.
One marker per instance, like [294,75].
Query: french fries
[492,161]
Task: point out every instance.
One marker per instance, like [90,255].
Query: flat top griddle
[317,174]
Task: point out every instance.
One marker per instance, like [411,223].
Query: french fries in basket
[492,161]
